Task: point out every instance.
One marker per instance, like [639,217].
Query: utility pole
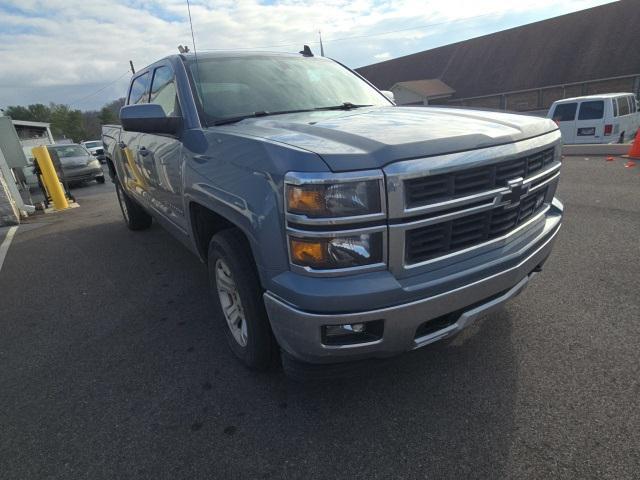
[321,47]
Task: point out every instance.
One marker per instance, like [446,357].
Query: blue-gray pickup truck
[336,226]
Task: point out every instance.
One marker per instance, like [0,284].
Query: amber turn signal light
[305,200]
[308,252]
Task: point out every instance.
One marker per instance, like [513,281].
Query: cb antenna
[195,52]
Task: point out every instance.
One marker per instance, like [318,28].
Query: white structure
[9,210]
[32,134]
[419,92]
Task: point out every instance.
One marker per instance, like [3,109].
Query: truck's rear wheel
[237,295]
[134,215]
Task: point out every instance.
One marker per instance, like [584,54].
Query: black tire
[233,251]
[100,179]
[134,215]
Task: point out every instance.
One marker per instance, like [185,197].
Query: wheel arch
[206,222]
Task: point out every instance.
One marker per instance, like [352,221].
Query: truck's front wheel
[237,295]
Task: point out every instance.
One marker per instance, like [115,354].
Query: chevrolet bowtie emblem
[517,190]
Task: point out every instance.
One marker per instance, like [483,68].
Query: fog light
[352,333]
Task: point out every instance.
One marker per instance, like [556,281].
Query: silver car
[76,163]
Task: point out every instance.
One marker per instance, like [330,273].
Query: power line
[419,27]
[75,102]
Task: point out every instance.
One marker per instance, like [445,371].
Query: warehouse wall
[542,98]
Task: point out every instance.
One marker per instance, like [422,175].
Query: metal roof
[25,123]
[596,43]
[431,88]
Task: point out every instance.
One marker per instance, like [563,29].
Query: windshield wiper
[225,121]
[343,106]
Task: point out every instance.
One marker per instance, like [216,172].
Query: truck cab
[335,225]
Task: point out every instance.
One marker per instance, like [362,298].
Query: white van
[606,118]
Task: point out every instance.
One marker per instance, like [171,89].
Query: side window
[632,104]
[592,110]
[623,106]
[139,90]
[163,91]
[614,104]
[565,112]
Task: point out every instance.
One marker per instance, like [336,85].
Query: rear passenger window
[614,104]
[593,110]
[163,91]
[632,104]
[139,90]
[623,106]
[565,112]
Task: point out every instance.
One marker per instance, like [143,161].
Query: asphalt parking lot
[112,365]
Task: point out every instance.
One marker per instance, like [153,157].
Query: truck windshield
[230,87]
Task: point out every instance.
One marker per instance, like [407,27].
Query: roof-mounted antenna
[306,51]
[195,52]
[182,49]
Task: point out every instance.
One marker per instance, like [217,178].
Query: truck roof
[220,54]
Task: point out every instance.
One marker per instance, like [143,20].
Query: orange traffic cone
[634,151]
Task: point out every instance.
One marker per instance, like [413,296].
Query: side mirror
[148,118]
[389,94]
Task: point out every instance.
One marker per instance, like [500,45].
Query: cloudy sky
[77,51]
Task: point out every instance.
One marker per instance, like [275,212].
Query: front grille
[440,188]
[442,238]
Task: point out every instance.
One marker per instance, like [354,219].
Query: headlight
[327,200]
[336,222]
[337,252]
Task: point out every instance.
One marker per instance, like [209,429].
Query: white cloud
[63,50]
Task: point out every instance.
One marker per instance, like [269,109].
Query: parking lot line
[4,248]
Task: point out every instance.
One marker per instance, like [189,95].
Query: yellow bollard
[50,177]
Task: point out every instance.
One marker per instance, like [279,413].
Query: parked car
[76,162]
[335,225]
[31,179]
[96,149]
[606,118]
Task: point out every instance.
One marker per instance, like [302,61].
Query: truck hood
[373,137]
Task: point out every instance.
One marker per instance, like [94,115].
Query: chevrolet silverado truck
[336,226]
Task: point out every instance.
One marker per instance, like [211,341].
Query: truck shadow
[151,353]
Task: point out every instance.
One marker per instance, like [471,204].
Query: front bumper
[299,332]
[83,174]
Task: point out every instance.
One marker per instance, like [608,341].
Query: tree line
[67,122]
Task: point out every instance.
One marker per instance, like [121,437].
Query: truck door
[161,154]
[134,175]
[590,123]
[564,115]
